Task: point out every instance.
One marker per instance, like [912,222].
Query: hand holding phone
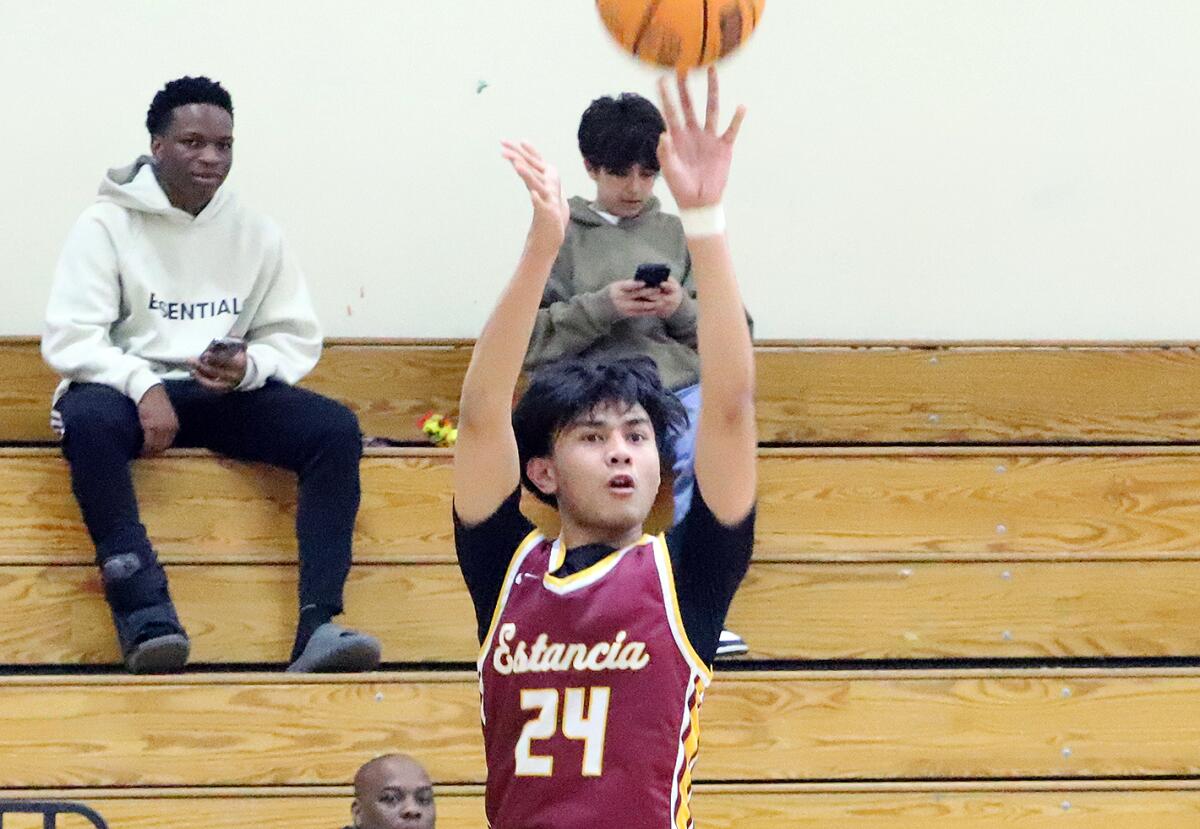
[222,366]
[223,349]
[652,275]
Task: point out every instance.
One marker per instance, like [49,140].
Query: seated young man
[597,645]
[597,301]
[162,265]
[593,303]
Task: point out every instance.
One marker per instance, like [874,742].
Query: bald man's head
[393,792]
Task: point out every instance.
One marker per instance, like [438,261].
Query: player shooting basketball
[597,646]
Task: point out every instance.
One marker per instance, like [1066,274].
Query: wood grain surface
[807,393]
[246,613]
[1169,805]
[757,726]
[814,505]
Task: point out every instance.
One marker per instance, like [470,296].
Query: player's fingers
[522,169]
[533,157]
[712,112]
[670,113]
[665,150]
[685,101]
[524,151]
[736,124]
[668,157]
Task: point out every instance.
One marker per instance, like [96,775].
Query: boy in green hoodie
[594,304]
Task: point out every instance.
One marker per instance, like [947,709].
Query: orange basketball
[680,33]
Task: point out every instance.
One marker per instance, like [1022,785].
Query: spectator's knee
[339,430]
[99,416]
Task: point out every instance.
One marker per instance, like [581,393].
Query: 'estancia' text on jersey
[545,656]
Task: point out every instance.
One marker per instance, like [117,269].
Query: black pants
[315,437]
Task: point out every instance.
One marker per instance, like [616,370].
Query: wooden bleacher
[808,393]
[889,553]
[954,504]
[251,729]
[1100,804]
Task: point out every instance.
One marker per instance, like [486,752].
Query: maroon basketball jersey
[591,694]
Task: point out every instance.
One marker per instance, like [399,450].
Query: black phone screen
[652,275]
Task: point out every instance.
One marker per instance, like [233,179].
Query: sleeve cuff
[598,305]
[254,377]
[141,382]
[685,317]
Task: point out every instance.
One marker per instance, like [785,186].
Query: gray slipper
[335,648]
[160,655]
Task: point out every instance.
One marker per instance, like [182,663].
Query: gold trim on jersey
[588,575]
[514,564]
[685,760]
[666,577]
[691,750]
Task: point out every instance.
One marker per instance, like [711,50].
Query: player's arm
[485,459]
[695,162]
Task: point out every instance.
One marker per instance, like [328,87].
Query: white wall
[1016,169]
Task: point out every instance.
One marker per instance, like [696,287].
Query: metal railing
[49,810]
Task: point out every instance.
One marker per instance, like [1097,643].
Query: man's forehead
[396,773]
[609,413]
[201,118]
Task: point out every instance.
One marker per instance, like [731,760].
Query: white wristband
[703,221]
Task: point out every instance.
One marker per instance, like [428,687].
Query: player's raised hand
[550,210]
[695,159]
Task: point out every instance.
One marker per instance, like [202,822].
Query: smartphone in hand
[223,349]
[652,275]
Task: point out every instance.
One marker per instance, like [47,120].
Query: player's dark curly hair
[561,392]
[181,92]
[616,133]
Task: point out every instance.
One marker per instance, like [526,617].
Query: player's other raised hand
[550,210]
[695,159]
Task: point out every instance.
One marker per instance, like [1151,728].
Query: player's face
[396,795]
[606,469]
[194,154]
[623,194]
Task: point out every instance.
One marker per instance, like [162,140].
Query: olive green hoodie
[577,316]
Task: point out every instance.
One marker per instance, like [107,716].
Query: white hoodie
[142,286]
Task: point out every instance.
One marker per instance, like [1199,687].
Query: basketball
[680,34]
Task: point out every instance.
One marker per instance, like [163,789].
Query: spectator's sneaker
[335,648]
[152,639]
[159,655]
[730,644]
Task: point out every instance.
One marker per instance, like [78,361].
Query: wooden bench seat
[886,504]
[949,805]
[794,611]
[903,514]
[861,554]
[774,726]
[809,393]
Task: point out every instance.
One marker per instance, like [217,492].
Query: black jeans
[315,437]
